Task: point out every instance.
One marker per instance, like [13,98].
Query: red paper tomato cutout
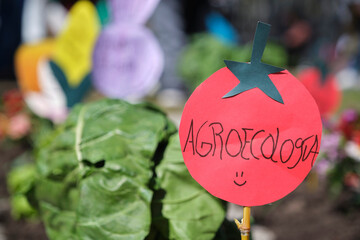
[326,94]
[249,149]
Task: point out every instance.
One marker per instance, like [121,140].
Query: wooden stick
[244,226]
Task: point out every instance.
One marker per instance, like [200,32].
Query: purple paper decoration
[132,11]
[127,61]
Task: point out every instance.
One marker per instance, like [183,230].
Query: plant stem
[244,226]
[245,231]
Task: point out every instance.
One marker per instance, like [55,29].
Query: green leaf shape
[74,94]
[255,74]
[187,210]
[103,12]
[82,199]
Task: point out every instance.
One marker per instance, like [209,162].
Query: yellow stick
[244,226]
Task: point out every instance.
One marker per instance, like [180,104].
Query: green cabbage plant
[115,171]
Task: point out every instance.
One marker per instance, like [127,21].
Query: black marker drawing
[212,138]
[237,175]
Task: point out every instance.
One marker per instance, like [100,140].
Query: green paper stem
[261,35]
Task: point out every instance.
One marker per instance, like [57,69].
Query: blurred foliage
[350,99]
[206,54]
[339,173]
[20,182]
[339,159]
[23,175]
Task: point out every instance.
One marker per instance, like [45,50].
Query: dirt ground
[307,213]
[310,213]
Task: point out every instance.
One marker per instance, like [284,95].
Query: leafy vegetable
[202,57]
[274,54]
[96,178]
[187,209]
[20,182]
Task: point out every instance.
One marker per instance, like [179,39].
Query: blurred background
[55,54]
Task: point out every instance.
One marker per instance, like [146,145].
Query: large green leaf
[187,210]
[95,170]
[113,206]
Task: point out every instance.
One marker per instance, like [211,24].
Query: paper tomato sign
[251,132]
[324,89]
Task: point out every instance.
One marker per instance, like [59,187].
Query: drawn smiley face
[241,176]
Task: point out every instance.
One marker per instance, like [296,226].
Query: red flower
[349,124]
[13,102]
[352,180]
[356,137]
[19,126]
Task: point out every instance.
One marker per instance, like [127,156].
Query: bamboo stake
[244,226]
